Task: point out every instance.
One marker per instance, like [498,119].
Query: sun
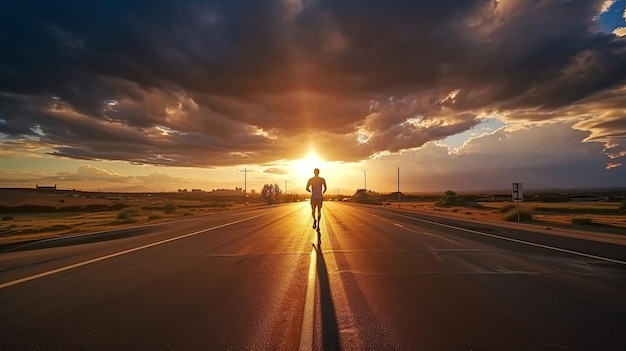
[303,168]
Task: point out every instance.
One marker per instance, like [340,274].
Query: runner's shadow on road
[330,330]
[319,239]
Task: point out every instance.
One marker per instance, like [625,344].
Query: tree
[448,199]
[363,196]
[271,193]
[451,198]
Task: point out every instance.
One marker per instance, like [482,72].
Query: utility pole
[398,180]
[398,183]
[245,185]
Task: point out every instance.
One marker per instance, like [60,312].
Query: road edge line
[102,258]
[529,243]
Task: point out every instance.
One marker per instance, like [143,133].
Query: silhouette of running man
[314,186]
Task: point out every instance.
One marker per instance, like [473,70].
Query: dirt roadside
[32,227]
[607,234]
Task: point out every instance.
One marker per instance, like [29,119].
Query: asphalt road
[373,278]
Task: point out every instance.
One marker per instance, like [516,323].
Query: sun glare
[303,168]
[334,172]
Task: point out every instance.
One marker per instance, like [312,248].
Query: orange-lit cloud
[221,84]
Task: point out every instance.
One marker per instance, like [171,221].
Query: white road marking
[98,259]
[425,233]
[606,259]
[306,333]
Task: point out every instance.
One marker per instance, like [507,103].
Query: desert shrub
[169,208]
[129,214]
[363,197]
[451,198]
[524,215]
[7,218]
[622,207]
[154,216]
[218,204]
[582,220]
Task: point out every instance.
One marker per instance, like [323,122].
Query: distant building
[227,192]
[46,187]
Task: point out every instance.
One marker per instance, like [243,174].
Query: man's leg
[313,205]
[319,213]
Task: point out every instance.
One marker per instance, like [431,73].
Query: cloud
[606,5]
[161,178]
[222,83]
[92,174]
[278,171]
[88,177]
[543,156]
[18,178]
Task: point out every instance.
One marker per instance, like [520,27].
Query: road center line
[306,333]
[606,259]
[98,259]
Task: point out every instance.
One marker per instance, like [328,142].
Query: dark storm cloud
[211,83]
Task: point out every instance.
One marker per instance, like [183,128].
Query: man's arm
[308,186]
[324,185]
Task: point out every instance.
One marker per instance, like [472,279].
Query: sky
[462,95]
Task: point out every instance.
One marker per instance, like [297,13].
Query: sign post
[517,196]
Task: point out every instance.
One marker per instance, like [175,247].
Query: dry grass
[561,214]
[20,227]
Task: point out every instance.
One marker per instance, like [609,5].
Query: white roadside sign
[517,192]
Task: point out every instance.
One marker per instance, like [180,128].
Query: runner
[314,186]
